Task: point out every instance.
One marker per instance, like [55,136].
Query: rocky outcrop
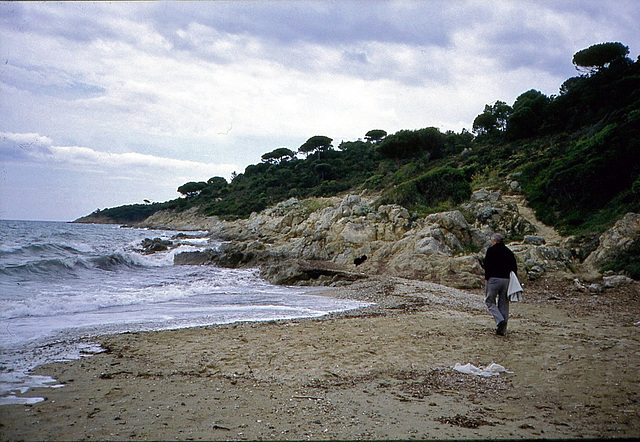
[155,245]
[316,240]
[491,213]
[96,219]
[615,281]
[303,272]
[624,235]
[446,247]
[196,257]
[189,219]
[233,254]
[539,259]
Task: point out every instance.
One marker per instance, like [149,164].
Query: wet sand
[383,372]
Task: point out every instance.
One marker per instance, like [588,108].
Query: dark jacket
[499,262]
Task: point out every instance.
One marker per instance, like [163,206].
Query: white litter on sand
[490,370]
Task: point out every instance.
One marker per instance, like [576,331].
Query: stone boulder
[539,259]
[199,257]
[621,237]
[307,272]
[534,240]
[155,245]
[615,281]
[434,249]
[491,213]
[230,255]
[595,288]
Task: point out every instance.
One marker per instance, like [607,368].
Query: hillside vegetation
[575,156]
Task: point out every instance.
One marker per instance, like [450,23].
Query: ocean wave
[44,267]
[71,266]
[39,250]
[115,261]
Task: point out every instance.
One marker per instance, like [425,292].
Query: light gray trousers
[497,300]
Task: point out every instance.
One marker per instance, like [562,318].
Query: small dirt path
[547,232]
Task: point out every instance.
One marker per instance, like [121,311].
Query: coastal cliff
[293,240]
[573,157]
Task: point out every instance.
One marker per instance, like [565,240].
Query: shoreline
[380,372]
[22,357]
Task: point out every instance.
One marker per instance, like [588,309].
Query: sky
[104,104]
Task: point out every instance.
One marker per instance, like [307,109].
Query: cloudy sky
[104,104]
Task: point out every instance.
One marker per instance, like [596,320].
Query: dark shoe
[502,328]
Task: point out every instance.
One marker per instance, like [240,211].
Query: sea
[62,284]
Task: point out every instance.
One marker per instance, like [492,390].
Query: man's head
[497,238]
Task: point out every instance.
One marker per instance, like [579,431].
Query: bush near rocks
[429,190]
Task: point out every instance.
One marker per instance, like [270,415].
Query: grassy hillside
[576,156]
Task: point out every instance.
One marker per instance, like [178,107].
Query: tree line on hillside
[378,161]
[609,82]
[575,154]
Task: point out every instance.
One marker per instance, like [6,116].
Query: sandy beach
[382,372]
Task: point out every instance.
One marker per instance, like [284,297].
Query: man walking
[499,262]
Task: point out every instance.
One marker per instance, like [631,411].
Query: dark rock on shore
[155,245]
[307,272]
[200,257]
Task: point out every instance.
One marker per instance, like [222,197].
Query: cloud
[328,22]
[50,81]
[23,147]
[270,70]
[182,91]
[38,149]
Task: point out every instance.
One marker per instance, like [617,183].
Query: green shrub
[569,187]
[578,154]
[413,143]
[374,182]
[431,189]
[132,213]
